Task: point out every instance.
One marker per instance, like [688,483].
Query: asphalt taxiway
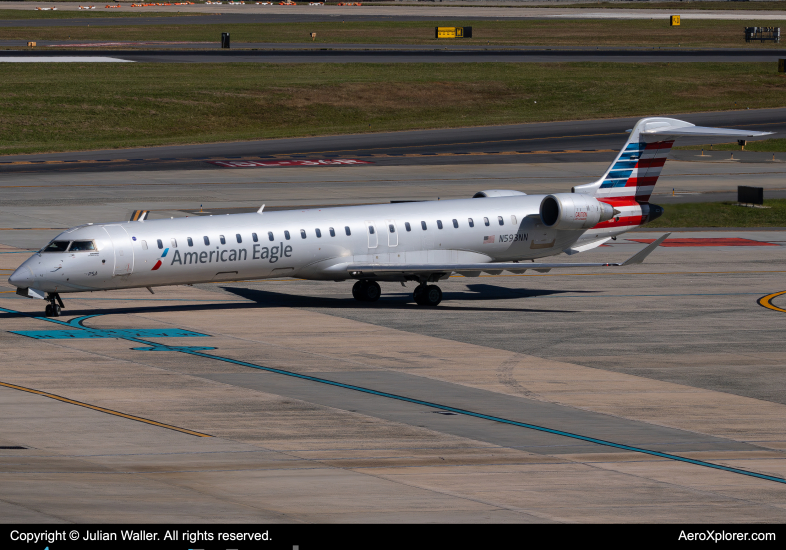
[566,141]
[406,55]
[225,13]
[650,393]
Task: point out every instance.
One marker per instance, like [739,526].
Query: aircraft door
[392,231]
[124,251]
[373,238]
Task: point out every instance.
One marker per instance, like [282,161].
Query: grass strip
[544,33]
[721,214]
[73,106]
[764,146]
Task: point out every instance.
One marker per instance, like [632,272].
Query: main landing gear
[427,295]
[366,291]
[424,295]
[53,307]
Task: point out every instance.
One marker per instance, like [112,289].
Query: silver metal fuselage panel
[128,254]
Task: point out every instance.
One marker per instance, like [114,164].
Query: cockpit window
[81,246]
[56,246]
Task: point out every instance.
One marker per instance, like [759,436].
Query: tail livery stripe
[638,166]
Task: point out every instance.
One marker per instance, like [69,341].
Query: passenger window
[486,221]
[222,239]
[392,228]
[144,245]
[270,235]
[423,225]
[239,238]
[407,226]
[81,246]
[56,246]
[371,229]
[174,243]
[471,222]
[207,241]
[286,235]
[346,229]
[160,243]
[254,237]
[513,220]
[318,232]
[501,221]
[302,233]
[189,240]
[332,232]
[455,224]
[439,224]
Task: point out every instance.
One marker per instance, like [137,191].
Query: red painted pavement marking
[707,242]
[262,163]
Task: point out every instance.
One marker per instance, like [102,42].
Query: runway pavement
[567,141]
[651,393]
[250,13]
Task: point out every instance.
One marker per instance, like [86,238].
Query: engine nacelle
[496,193]
[573,211]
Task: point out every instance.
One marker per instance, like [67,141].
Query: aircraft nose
[22,277]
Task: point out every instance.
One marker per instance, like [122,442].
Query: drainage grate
[445,413]
[11,447]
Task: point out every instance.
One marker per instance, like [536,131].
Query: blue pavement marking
[113,333]
[78,323]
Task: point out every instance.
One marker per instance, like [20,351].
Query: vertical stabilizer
[635,171]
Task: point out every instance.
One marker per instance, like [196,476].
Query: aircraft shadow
[390,301]
[402,301]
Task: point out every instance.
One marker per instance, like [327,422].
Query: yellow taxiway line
[102,409]
[764,301]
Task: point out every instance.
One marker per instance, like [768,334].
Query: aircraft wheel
[418,294]
[432,296]
[372,292]
[357,290]
[55,310]
[48,310]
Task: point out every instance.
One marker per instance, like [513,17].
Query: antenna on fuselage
[261,208]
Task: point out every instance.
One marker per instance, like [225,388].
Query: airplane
[424,242]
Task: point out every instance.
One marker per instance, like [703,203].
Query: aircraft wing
[495,268]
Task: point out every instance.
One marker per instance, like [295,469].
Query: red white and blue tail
[633,174]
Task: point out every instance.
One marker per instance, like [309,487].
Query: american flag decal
[488,240]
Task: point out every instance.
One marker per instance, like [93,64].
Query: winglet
[261,208]
[639,256]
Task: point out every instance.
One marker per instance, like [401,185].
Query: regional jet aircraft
[422,242]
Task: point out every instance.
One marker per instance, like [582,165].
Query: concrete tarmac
[288,401]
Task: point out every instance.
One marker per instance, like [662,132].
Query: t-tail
[629,181]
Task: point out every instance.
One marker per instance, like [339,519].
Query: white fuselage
[309,244]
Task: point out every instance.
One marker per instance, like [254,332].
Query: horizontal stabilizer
[689,130]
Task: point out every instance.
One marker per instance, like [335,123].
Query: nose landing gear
[53,307]
[366,291]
